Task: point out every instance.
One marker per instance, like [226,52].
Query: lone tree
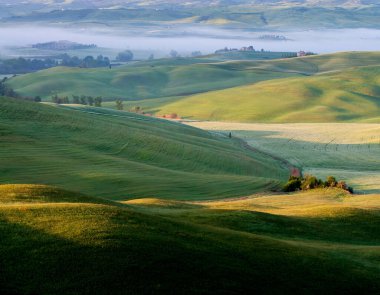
[126,55]
[136,109]
[119,105]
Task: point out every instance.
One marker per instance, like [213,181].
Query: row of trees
[87,62]
[84,100]
[21,65]
[311,182]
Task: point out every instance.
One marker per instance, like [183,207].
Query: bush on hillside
[294,184]
[309,182]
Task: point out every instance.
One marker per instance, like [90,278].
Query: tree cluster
[22,65]
[76,99]
[62,45]
[87,62]
[311,182]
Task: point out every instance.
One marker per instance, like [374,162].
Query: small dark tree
[83,100]
[98,101]
[119,105]
[90,100]
[37,98]
[76,99]
[126,55]
[66,100]
[136,109]
[55,98]
[88,62]
[294,184]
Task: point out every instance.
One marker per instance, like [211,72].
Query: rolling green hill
[121,155]
[246,15]
[322,242]
[161,78]
[179,77]
[350,95]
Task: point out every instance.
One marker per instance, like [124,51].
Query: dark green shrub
[294,184]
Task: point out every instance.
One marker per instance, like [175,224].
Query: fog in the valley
[185,39]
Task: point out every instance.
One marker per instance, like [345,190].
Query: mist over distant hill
[236,14]
[79,4]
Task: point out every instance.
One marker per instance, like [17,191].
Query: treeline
[76,99]
[22,65]
[311,182]
[87,62]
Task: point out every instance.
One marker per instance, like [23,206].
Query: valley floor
[349,151]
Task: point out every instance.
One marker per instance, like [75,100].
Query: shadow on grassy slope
[102,250]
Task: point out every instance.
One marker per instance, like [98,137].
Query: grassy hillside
[179,77]
[246,15]
[350,95]
[325,242]
[154,79]
[121,155]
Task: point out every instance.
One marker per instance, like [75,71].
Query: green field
[99,201]
[121,155]
[350,152]
[160,78]
[349,95]
[57,242]
[326,88]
